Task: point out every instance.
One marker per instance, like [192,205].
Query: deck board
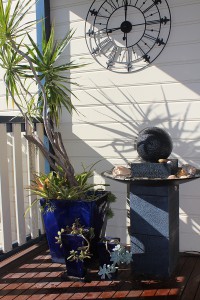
[32,275]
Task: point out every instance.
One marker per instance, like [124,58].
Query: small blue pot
[73,242]
[65,212]
[106,246]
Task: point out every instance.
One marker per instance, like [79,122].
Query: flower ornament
[119,255]
[106,271]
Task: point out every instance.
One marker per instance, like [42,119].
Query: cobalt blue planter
[64,212]
[73,242]
[105,246]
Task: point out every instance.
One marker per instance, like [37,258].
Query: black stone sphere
[154,143]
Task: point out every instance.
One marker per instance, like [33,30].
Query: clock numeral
[160,42]
[157,40]
[112,54]
[112,4]
[146,58]
[129,66]
[93,12]
[136,3]
[104,44]
[96,13]
[161,21]
[126,2]
[129,52]
[99,33]
[110,63]
[155,2]
[90,32]
[164,20]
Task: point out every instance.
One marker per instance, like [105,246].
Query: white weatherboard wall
[114,107]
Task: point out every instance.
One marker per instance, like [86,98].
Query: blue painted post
[41,14]
[154,215]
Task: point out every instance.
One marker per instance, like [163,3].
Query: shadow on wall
[179,65]
[129,127]
[125,133]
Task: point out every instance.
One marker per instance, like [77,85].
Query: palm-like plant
[27,65]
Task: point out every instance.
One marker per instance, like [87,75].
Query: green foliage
[11,17]
[56,83]
[13,31]
[111,199]
[87,234]
[55,185]
[52,73]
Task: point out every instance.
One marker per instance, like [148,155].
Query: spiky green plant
[26,65]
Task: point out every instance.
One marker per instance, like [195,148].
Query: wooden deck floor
[32,275]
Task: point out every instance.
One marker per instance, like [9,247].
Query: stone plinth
[154,170]
[154,219]
[154,216]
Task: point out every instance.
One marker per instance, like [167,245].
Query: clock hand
[147,23]
[125,9]
[103,30]
[110,30]
[162,20]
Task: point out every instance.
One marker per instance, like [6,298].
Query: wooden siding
[114,107]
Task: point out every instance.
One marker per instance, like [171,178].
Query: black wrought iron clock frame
[127,35]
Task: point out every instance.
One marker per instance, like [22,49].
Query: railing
[19,160]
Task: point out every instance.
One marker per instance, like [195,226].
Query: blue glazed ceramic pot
[73,242]
[105,247]
[64,212]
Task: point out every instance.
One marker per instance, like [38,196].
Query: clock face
[127,35]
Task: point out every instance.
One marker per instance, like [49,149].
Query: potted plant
[27,70]
[118,255]
[61,205]
[105,247]
[75,241]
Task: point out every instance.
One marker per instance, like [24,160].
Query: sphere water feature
[154,143]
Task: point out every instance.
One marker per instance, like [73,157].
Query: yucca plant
[26,65]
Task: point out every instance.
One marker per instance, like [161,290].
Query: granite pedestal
[154,231]
[154,220]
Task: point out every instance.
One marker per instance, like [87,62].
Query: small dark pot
[65,212]
[73,242]
[105,246]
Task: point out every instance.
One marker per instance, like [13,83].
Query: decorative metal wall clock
[127,35]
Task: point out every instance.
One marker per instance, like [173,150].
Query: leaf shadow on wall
[124,136]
